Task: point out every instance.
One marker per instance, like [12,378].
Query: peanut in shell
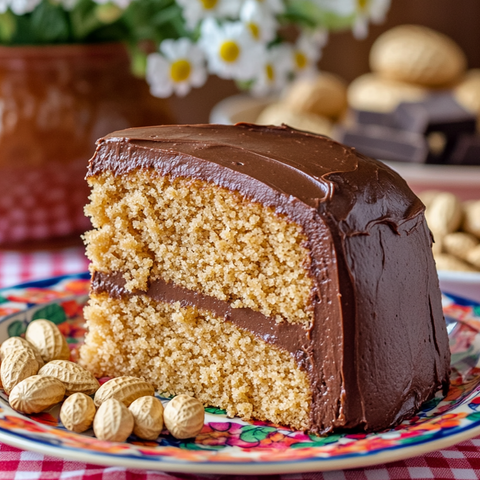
[36,393]
[49,341]
[73,376]
[77,412]
[125,389]
[17,366]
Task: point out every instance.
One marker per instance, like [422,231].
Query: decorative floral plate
[228,445]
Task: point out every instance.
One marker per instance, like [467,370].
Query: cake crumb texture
[202,237]
[184,350]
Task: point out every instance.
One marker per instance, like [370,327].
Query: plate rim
[460,277]
[254,468]
[164,463]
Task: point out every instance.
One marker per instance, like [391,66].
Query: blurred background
[348,57]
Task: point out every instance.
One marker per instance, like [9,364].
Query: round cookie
[324,95]
[467,92]
[417,54]
[375,93]
[279,113]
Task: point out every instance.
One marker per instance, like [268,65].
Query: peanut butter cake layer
[270,272]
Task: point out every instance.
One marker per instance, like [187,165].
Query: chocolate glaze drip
[378,345]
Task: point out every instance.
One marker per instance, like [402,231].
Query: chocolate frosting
[378,346]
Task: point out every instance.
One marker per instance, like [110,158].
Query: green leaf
[308,14]
[139,62]
[476,310]
[7,27]
[326,440]
[318,441]
[23,34]
[196,446]
[83,20]
[244,84]
[16,328]
[50,23]
[3,299]
[432,403]
[474,416]
[253,434]
[55,313]
[154,20]
[215,411]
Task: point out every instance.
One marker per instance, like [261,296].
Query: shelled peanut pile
[36,374]
[456,228]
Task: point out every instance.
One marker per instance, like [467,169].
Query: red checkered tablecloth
[461,462]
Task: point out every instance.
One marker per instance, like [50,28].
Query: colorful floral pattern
[232,441]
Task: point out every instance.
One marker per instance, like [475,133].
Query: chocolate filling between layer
[293,338]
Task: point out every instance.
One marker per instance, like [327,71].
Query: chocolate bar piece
[437,113]
[385,143]
[367,117]
[412,117]
[466,151]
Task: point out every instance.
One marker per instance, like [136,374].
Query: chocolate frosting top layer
[378,345]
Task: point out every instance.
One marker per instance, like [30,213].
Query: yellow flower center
[362,4]
[255,30]
[180,70]
[300,60]
[270,72]
[209,4]
[229,51]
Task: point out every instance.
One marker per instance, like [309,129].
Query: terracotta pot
[55,101]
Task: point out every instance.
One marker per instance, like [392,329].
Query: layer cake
[270,272]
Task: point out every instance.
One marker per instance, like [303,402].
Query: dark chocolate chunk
[437,113]
[412,117]
[367,117]
[385,143]
[466,151]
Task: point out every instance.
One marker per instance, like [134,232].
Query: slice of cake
[273,273]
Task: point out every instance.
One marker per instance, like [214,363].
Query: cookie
[375,93]
[324,95]
[467,92]
[417,54]
[278,113]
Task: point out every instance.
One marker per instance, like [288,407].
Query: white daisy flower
[196,10]
[374,10]
[230,50]
[277,66]
[68,4]
[18,7]
[179,68]
[4,4]
[363,11]
[274,6]
[306,54]
[260,21]
[319,36]
[342,8]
